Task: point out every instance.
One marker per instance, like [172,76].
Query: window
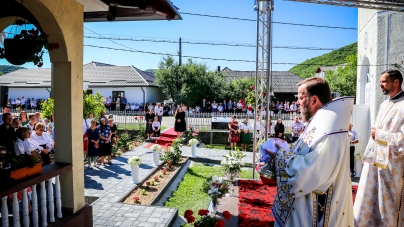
[117,94]
[89,92]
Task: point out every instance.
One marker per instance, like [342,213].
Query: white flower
[213,190]
[193,141]
[135,160]
[155,147]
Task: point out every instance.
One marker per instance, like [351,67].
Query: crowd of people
[25,104]
[25,134]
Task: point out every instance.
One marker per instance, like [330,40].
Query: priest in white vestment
[314,186]
[379,201]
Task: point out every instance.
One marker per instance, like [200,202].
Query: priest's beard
[305,111]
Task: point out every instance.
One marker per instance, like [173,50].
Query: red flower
[226,215]
[252,87]
[141,117]
[264,93]
[156,178]
[219,223]
[190,219]
[148,183]
[203,212]
[135,118]
[188,213]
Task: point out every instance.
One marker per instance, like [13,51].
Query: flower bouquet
[205,219]
[358,156]
[172,153]
[216,187]
[135,160]
[232,163]
[156,148]
[193,141]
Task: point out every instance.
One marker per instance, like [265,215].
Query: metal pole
[268,108]
[256,88]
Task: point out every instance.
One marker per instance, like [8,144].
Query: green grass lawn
[189,194]
[135,126]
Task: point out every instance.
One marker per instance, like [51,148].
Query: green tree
[91,103]
[189,83]
[238,88]
[48,108]
[344,79]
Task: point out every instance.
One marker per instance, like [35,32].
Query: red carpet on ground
[165,138]
[255,203]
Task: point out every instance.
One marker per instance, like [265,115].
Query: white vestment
[314,187]
[379,200]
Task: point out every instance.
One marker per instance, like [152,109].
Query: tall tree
[189,83]
[344,79]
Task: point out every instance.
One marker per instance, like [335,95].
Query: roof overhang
[129,10]
[390,5]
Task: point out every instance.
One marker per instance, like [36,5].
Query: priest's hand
[272,153]
[373,132]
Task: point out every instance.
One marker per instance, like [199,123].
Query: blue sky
[195,28]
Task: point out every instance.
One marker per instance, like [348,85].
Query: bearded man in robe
[379,200]
[313,183]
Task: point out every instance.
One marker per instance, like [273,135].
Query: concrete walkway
[111,183]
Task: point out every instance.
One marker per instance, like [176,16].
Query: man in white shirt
[150,106]
[158,110]
[297,129]
[132,107]
[220,108]
[353,139]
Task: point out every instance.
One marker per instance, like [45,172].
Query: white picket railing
[42,209]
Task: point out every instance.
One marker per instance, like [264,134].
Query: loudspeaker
[3,95]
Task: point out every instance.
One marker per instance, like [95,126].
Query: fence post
[125,119]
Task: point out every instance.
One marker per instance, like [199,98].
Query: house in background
[283,82]
[321,71]
[110,80]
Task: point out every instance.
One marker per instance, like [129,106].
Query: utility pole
[180,53]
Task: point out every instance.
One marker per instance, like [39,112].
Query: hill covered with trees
[8,68]
[307,68]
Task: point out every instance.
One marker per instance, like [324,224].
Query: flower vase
[193,149]
[135,174]
[358,167]
[156,156]
[213,207]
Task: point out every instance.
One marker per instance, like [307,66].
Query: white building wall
[154,94]
[132,94]
[36,93]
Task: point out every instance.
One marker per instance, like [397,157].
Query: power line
[217,59]
[274,22]
[110,40]
[212,44]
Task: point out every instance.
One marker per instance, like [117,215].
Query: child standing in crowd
[156,127]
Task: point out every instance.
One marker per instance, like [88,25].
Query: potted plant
[18,167]
[27,46]
[216,187]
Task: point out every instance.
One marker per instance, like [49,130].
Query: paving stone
[155,215]
[118,223]
[166,215]
[126,223]
[166,220]
[136,223]
[159,225]
[155,220]
[109,223]
[131,215]
[161,209]
[149,224]
[119,219]
[142,218]
[99,222]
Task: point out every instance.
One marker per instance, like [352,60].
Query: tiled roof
[282,81]
[95,74]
